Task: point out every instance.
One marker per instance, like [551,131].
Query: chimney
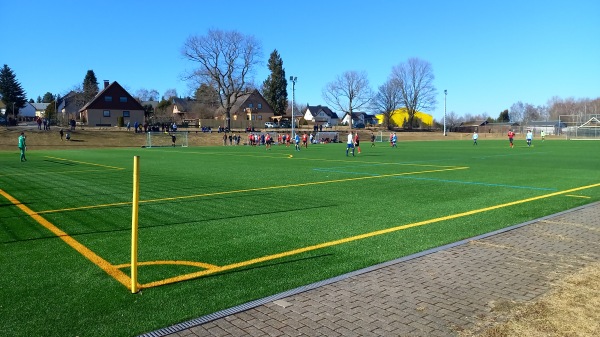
[105,84]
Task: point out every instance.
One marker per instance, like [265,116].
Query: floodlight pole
[445,95]
[293,79]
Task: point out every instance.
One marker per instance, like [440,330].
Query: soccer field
[221,226]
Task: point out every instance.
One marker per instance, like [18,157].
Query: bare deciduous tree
[453,120]
[516,112]
[387,101]
[226,59]
[349,92]
[417,91]
[170,93]
[146,95]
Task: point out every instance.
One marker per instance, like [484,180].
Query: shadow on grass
[127,228]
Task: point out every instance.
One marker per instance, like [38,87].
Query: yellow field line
[170,262]
[353,238]
[251,190]
[577,196]
[83,250]
[86,163]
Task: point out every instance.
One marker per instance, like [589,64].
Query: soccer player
[297,142]
[543,134]
[394,140]
[268,141]
[22,146]
[475,136]
[372,139]
[350,144]
[511,135]
[529,137]
[357,142]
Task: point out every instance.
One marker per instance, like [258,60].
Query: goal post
[580,127]
[380,138]
[166,139]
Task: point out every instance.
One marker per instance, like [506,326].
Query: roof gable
[252,97]
[115,91]
[314,110]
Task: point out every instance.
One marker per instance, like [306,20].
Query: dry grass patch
[572,308]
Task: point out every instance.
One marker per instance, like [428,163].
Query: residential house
[400,117]
[319,114]
[40,109]
[68,106]
[26,113]
[251,110]
[182,108]
[358,117]
[472,126]
[110,104]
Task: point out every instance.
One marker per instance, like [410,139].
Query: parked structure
[110,104]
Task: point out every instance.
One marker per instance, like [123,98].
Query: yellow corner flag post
[134,224]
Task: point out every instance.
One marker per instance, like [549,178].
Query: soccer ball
[291,156]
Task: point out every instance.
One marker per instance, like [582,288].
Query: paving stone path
[466,285]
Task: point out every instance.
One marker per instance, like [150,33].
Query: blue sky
[487,54]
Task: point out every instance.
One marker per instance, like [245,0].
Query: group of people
[267,139]
[511,136]
[43,121]
[354,142]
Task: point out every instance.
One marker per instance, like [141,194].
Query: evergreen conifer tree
[11,92]
[275,86]
[90,86]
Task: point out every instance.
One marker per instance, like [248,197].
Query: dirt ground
[120,137]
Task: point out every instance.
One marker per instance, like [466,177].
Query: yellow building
[401,115]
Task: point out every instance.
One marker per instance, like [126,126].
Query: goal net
[382,137]
[166,139]
[587,128]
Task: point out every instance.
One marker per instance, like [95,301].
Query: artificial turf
[271,222]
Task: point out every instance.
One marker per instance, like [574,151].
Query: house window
[122,99]
[126,114]
[259,117]
[260,105]
[108,98]
[106,113]
[250,105]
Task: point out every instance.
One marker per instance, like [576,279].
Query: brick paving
[461,286]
